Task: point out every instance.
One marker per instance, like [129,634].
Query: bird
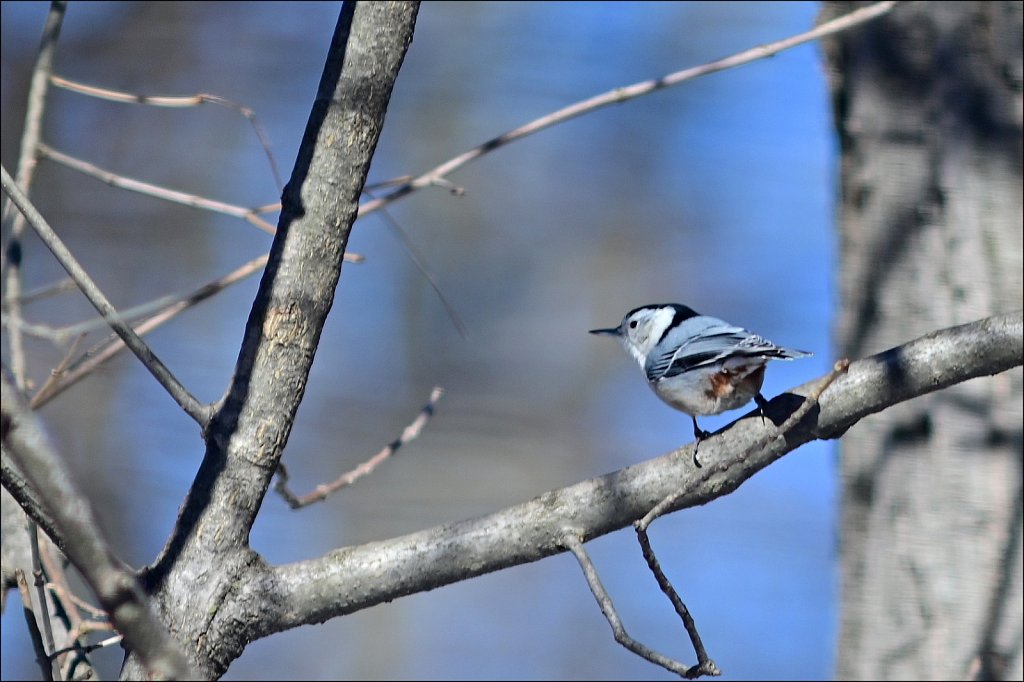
[699,365]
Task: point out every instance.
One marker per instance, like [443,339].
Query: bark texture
[928,109]
[207,556]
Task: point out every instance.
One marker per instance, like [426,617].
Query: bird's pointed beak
[607,332]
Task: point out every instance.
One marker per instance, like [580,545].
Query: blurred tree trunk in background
[928,109]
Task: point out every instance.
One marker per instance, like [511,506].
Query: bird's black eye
[632,324]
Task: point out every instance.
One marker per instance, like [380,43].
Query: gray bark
[928,108]
[207,555]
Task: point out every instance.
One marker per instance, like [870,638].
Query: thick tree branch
[199,568]
[354,578]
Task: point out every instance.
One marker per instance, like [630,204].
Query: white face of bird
[641,330]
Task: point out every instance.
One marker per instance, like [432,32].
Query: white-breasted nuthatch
[699,365]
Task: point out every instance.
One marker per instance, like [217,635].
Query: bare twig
[456,190]
[374,186]
[71,602]
[186,400]
[176,102]
[421,264]
[60,335]
[322,491]
[62,366]
[42,658]
[89,648]
[39,580]
[67,605]
[163,310]
[11,256]
[148,309]
[249,215]
[619,95]
[403,179]
[61,286]
[705,666]
[95,357]
[571,540]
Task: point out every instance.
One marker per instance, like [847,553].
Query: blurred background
[717,193]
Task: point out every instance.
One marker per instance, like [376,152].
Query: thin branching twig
[623,94]
[114,584]
[176,102]
[96,356]
[62,286]
[39,580]
[89,648]
[421,264]
[705,666]
[67,604]
[574,544]
[250,215]
[200,413]
[10,259]
[42,658]
[322,491]
[62,366]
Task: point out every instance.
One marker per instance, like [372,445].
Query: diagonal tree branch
[20,488]
[252,422]
[355,578]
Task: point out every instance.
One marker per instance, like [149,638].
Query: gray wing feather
[712,341]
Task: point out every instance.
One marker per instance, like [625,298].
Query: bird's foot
[762,404]
[700,434]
